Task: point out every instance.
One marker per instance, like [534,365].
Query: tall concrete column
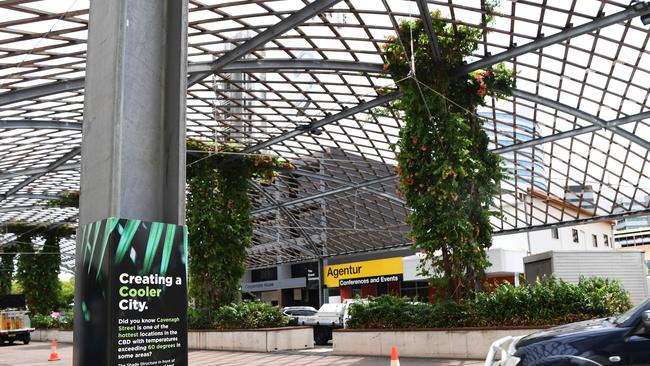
[133,147]
[131,253]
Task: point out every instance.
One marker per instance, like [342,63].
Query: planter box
[254,340]
[469,343]
[45,335]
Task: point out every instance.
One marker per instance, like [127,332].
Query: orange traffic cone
[394,359]
[53,355]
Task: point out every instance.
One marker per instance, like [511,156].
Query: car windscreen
[628,314]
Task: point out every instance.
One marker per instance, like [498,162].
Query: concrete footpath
[36,354]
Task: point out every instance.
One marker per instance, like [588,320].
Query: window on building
[416,289]
[606,239]
[594,240]
[309,270]
[264,274]
[574,234]
[555,233]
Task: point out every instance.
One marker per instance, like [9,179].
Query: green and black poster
[131,303]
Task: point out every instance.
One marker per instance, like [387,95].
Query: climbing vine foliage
[38,266]
[219,220]
[447,174]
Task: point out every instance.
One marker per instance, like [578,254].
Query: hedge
[244,315]
[546,303]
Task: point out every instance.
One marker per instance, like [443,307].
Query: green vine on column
[447,175]
[38,269]
[219,220]
[7,269]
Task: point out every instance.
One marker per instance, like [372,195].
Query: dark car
[623,340]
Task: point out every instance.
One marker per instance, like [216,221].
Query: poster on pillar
[131,300]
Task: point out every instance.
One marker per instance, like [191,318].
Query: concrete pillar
[132,178]
[133,147]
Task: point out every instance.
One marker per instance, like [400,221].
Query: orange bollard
[394,359]
[53,355]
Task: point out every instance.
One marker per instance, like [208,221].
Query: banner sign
[131,294]
[333,274]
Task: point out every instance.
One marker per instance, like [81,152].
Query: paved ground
[36,354]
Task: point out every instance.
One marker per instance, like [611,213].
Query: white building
[508,250]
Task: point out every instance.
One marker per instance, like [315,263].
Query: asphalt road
[36,354]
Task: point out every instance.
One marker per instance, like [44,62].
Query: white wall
[542,241]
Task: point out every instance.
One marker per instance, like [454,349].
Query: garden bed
[463,343]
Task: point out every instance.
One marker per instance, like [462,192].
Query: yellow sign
[379,267]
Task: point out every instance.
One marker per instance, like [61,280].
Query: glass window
[606,239]
[264,274]
[574,234]
[304,270]
[594,240]
[416,289]
[555,234]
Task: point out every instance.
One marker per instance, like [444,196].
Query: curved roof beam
[571,133]
[283,26]
[270,65]
[633,11]
[425,15]
[325,194]
[203,70]
[57,163]
[601,123]
[26,172]
[39,124]
[323,122]
[38,91]
[306,173]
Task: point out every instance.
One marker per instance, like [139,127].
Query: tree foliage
[219,221]
[447,174]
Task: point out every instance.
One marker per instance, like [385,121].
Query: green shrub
[198,319]
[546,303]
[249,315]
[62,321]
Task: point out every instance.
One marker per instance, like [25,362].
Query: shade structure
[301,79]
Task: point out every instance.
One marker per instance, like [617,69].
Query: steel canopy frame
[249,46]
[325,194]
[303,77]
[59,162]
[635,10]
[425,15]
[582,115]
[314,251]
